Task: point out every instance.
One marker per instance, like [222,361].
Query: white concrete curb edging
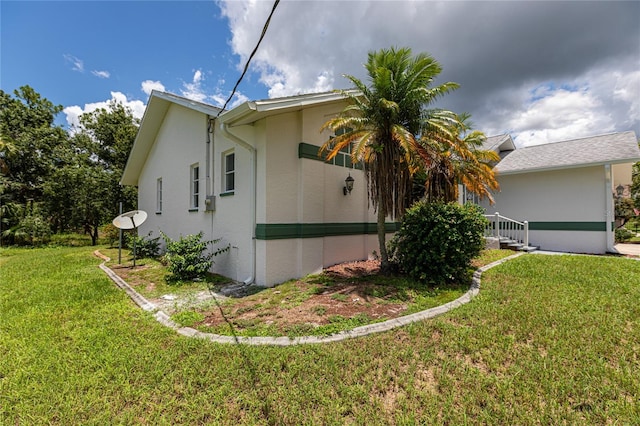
[364,330]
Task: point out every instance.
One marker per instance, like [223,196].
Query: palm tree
[381,124]
[452,155]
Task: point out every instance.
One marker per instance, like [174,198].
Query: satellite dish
[130,220]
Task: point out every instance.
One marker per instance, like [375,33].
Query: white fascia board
[157,107]
[252,111]
[147,132]
[187,103]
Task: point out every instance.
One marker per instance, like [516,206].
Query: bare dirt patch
[133,276]
[349,294]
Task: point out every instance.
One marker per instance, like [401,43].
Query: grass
[268,306]
[152,274]
[549,340]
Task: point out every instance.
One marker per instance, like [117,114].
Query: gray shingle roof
[493,143]
[603,149]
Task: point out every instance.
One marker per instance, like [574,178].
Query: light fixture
[348,182]
[620,190]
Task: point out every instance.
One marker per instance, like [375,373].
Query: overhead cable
[246,66]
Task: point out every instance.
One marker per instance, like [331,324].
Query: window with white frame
[159,195]
[469,196]
[229,178]
[195,186]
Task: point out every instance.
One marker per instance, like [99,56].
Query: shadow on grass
[265,408]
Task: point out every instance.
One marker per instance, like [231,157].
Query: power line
[255,49]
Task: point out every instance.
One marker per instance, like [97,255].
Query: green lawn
[550,339]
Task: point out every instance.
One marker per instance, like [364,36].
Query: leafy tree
[635,186]
[452,155]
[72,177]
[113,130]
[85,191]
[29,140]
[111,133]
[385,123]
[624,210]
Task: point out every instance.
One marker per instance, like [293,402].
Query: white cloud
[74,112]
[101,74]
[559,114]
[76,63]
[194,89]
[599,101]
[517,47]
[149,85]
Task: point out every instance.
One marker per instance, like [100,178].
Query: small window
[470,197]
[159,195]
[229,172]
[195,186]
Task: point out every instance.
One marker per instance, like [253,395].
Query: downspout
[210,124]
[252,191]
[609,216]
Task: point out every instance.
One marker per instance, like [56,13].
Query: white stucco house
[565,190]
[252,177]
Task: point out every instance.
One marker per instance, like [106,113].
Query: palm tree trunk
[384,256]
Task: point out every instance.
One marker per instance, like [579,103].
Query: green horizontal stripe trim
[281,231]
[306,150]
[568,226]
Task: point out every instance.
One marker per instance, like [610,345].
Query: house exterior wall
[180,143]
[622,174]
[304,220]
[566,209]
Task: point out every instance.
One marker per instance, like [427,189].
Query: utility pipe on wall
[609,215]
[210,127]
[252,193]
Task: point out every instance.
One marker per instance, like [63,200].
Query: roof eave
[250,112]
[564,167]
[157,107]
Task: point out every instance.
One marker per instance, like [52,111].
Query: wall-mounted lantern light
[348,182]
[619,190]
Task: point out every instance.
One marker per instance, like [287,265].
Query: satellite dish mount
[130,220]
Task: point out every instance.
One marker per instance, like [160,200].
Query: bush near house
[145,246]
[623,235]
[187,258]
[437,241]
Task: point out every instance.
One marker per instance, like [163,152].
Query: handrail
[503,227]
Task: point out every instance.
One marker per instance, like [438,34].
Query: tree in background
[29,141]
[452,155]
[70,180]
[86,190]
[109,135]
[635,186]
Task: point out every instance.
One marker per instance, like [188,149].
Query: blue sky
[77,53]
[541,71]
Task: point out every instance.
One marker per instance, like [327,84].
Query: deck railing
[503,228]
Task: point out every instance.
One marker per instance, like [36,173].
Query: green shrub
[623,234]
[111,234]
[145,246]
[436,242]
[187,258]
[32,230]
